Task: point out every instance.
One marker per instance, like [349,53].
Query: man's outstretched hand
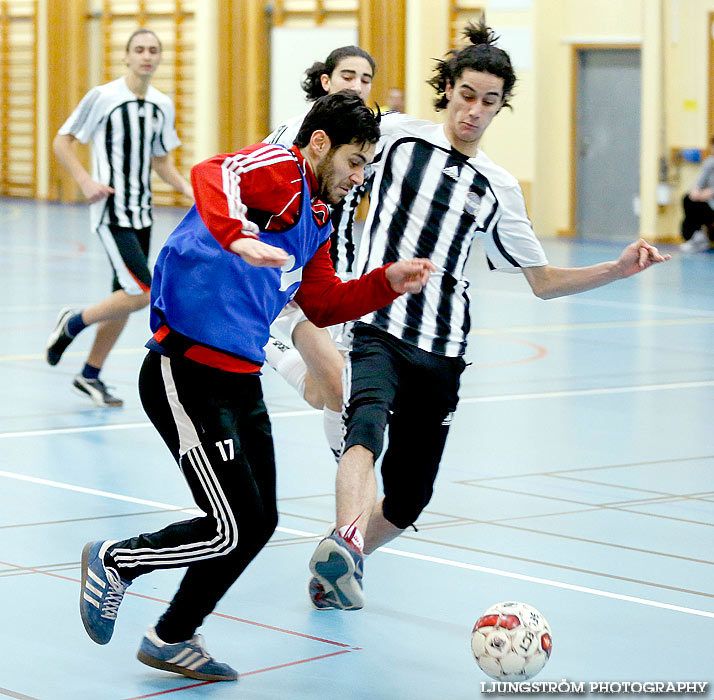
[638,256]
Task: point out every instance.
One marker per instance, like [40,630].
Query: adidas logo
[448,419]
[279,345]
[452,172]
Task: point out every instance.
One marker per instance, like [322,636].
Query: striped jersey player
[434,194]
[130,125]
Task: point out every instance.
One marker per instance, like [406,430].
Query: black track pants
[217,428]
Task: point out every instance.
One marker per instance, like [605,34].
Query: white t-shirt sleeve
[169,139]
[285,134]
[87,115]
[510,243]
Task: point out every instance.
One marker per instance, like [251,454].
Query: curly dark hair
[482,55]
[344,117]
[312,84]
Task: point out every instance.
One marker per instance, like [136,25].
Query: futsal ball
[511,641]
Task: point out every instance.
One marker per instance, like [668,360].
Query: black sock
[164,634]
[90,372]
[75,325]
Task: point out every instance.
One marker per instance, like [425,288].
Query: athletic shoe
[338,568]
[96,390]
[101,593]
[187,658]
[698,243]
[59,338]
[319,597]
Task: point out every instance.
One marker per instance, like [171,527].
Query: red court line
[540,352]
[166,602]
[247,673]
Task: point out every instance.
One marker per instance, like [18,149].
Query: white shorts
[283,326]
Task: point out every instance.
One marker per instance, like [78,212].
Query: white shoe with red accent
[337,567]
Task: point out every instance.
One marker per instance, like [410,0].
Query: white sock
[275,351]
[286,361]
[352,535]
[154,638]
[334,430]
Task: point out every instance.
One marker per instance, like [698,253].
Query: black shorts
[390,382]
[128,251]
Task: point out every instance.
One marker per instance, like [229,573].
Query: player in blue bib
[257,237]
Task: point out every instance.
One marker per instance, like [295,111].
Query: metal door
[608,143]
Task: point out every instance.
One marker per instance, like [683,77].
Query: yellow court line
[479,331]
[76,353]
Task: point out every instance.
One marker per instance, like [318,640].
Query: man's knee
[135,302]
[253,535]
[404,510]
[365,427]
[142,300]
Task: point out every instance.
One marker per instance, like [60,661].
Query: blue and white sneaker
[338,568]
[189,658]
[101,593]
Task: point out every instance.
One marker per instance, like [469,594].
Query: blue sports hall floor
[578,477]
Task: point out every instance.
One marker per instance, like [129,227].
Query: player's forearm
[550,282]
[63,146]
[327,302]
[168,172]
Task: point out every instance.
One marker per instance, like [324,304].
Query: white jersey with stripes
[125,133]
[430,201]
[342,242]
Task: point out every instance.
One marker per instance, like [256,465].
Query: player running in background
[434,192]
[257,237]
[309,358]
[131,127]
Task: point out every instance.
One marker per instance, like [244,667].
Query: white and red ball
[511,641]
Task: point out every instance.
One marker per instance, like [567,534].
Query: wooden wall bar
[382,25]
[18,98]
[244,80]
[67,83]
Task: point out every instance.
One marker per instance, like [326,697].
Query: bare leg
[356,488]
[379,530]
[337,562]
[323,384]
[116,306]
[108,333]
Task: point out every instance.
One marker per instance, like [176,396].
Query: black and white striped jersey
[342,239]
[125,132]
[430,201]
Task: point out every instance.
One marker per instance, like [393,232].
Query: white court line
[95,492]
[587,392]
[473,399]
[384,550]
[132,426]
[608,304]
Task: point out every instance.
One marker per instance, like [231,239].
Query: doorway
[607,147]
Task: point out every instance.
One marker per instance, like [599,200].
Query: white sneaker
[96,390]
[698,243]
